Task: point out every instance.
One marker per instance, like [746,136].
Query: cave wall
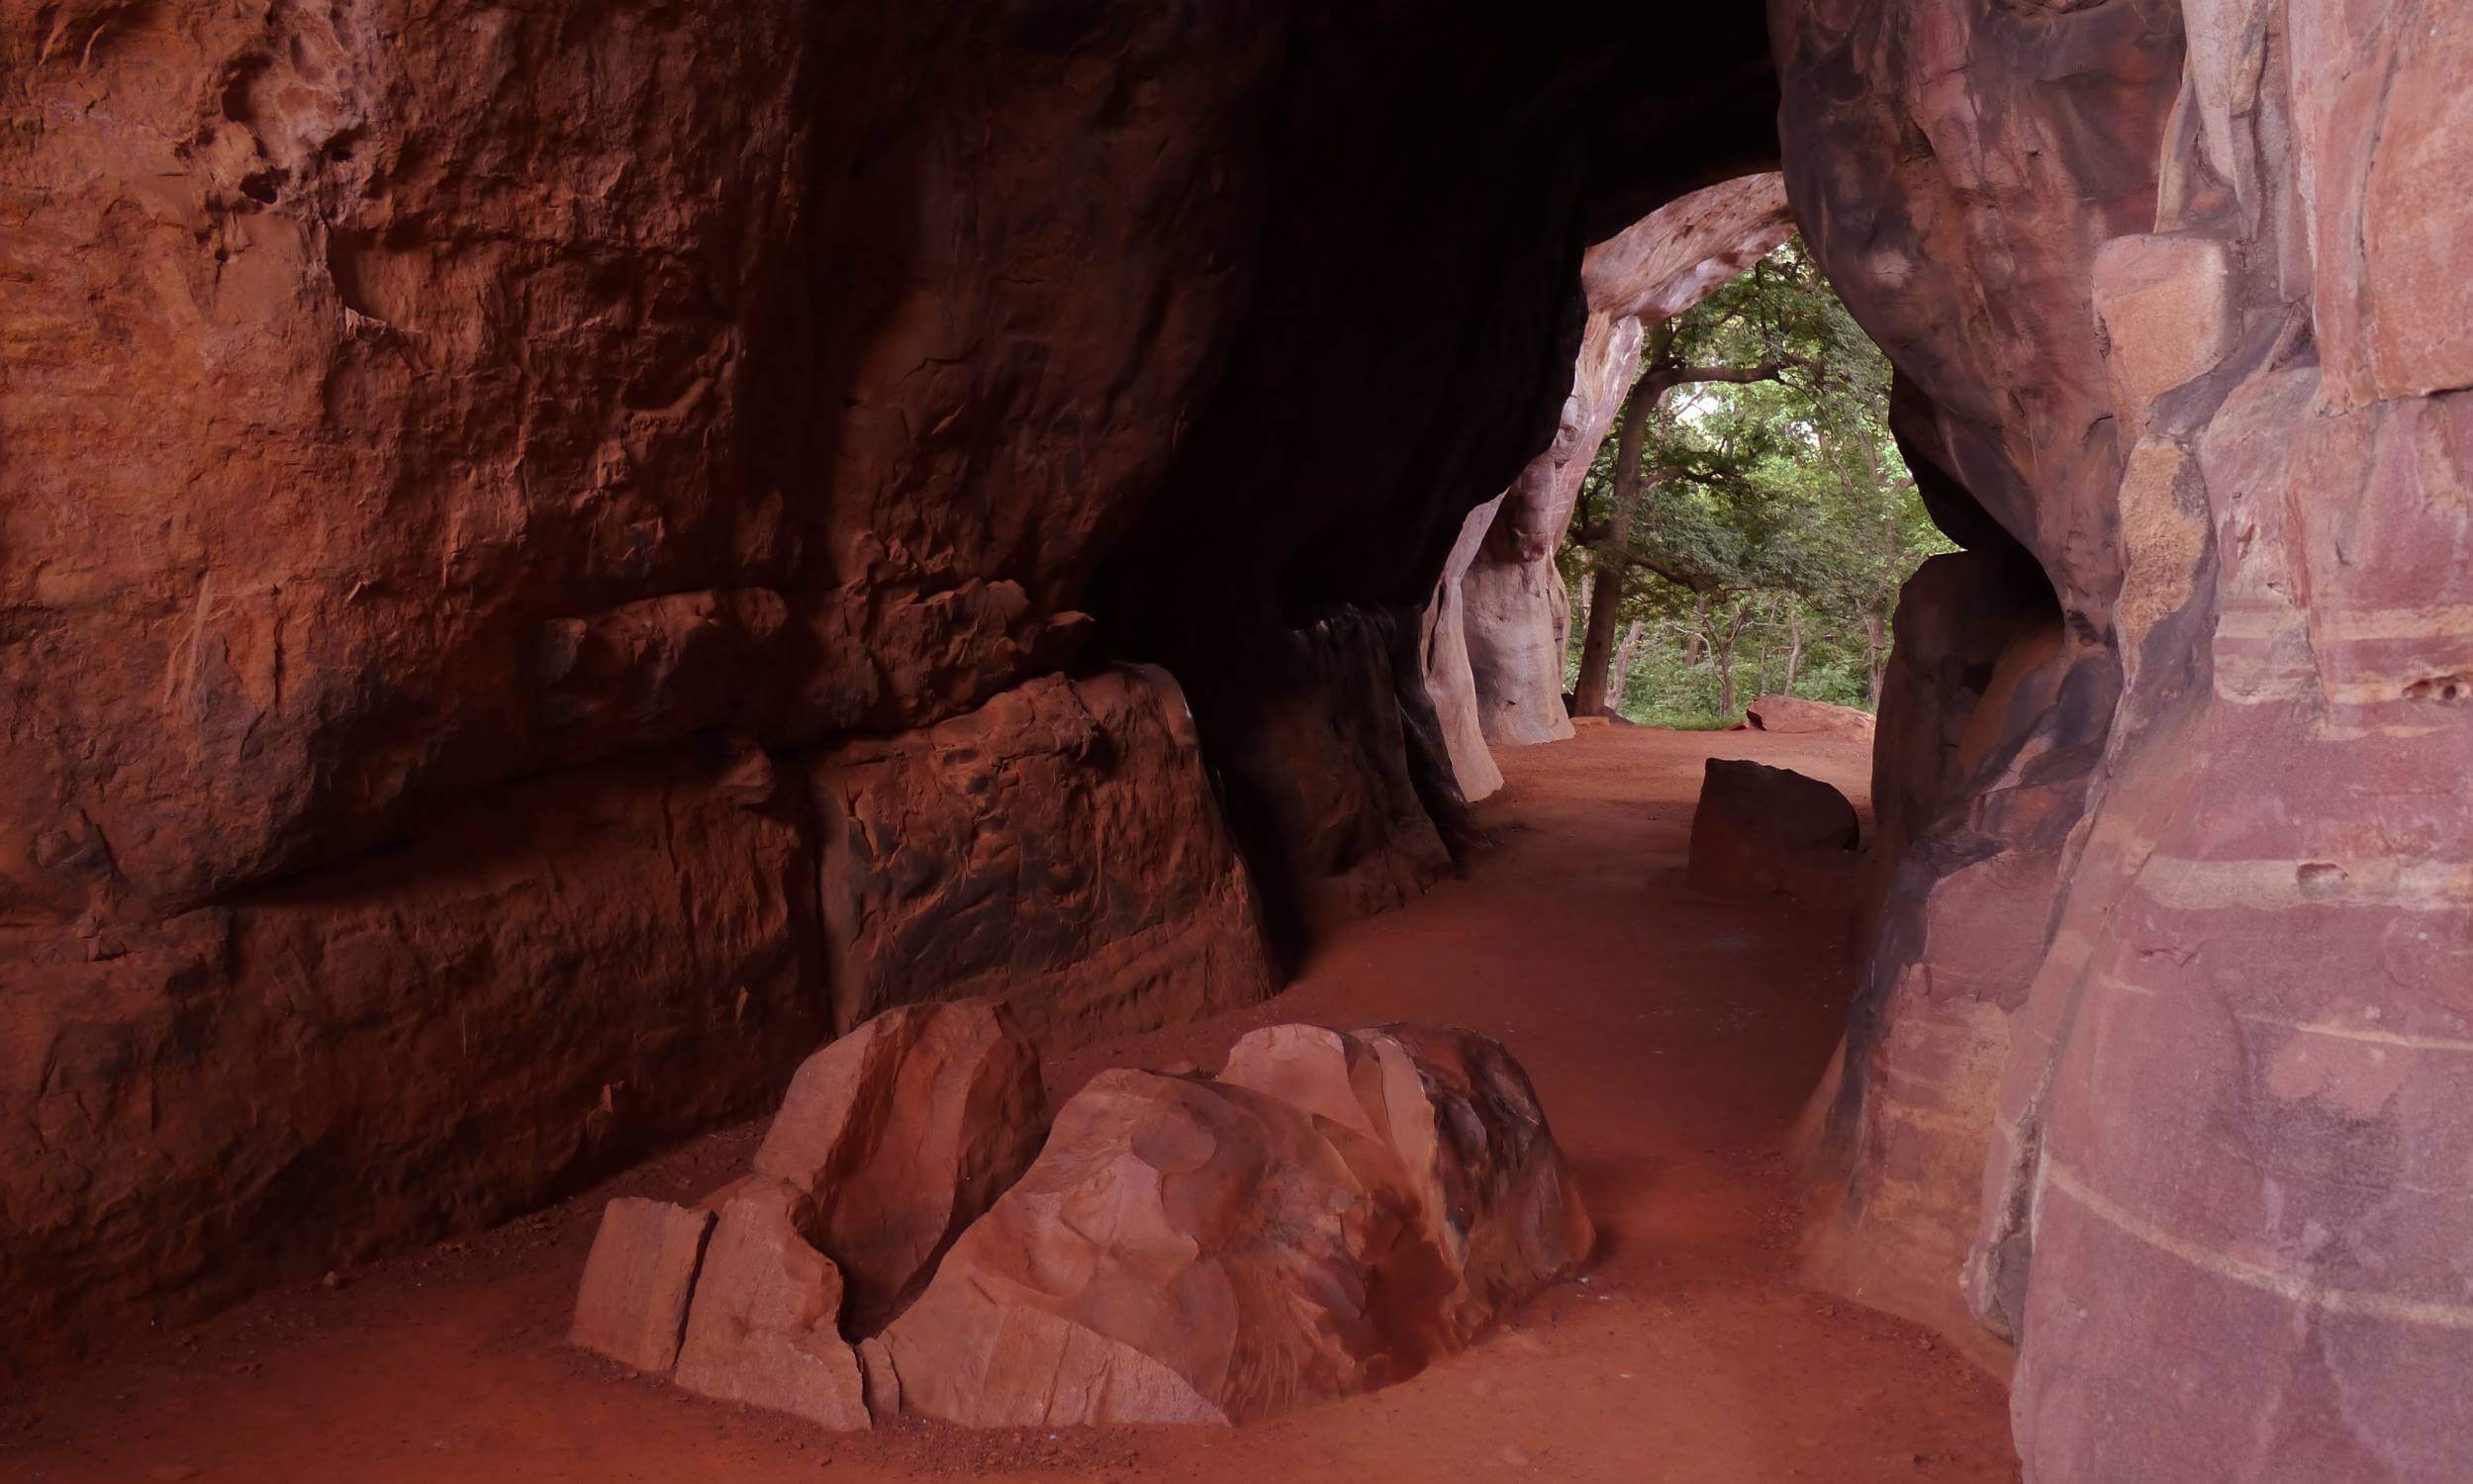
[551,557]
[466,469]
[2180,289]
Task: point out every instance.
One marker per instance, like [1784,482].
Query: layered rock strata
[2181,283]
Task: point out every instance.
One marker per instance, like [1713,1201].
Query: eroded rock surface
[1061,847]
[1458,1113]
[497,498]
[1325,1217]
[632,1303]
[2169,278]
[762,1327]
[1759,830]
[900,1135]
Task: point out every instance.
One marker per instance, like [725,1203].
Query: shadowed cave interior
[558,559]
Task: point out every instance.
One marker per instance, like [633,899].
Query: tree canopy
[1769,521]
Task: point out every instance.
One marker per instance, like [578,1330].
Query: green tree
[1754,509]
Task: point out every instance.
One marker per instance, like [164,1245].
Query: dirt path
[1672,1038]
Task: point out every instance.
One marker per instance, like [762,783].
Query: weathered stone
[883,1380]
[761,1327]
[527,395]
[1794,713]
[1459,1117]
[1180,1253]
[2378,120]
[632,1303]
[1060,845]
[1895,1138]
[544,986]
[1759,830]
[1323,1218]
[1443,655]
[1312,737]
[2119,953]
[2166,304]
[900,1135]
[1939,161]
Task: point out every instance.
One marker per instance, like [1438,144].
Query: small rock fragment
[633,1302]
[761,1329]
[883,1383]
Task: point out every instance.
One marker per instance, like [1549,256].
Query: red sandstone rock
[1324,1218]
[1180,1253]
[1459,1117]
[1317,758]
[1060,846]
[546,984]
[2234,284]
[1963,170]
[632,1303]
[1794,713]
[1758,830]
[1896,1143]
[900,1135]
[883,1380]
[761,1326]
[430,423]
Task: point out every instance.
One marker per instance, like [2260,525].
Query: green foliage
[1774,510]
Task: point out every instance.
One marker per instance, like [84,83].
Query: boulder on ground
[1760,831]
[1470,1139]
[1182,1251]
[1792,713]
[761,1327]
[900,1135]
[1323,1218]
[632,1303]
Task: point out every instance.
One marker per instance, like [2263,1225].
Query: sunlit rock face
[2182,286]
[552,558]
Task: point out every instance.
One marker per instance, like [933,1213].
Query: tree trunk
[1605,595]
[1875,654]
[1695,639]
[1722,648]
[1626,655]
[1795,650]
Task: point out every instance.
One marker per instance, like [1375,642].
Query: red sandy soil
[1672,1037]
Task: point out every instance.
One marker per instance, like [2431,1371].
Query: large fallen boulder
[1794,713]
[900,1134]
[1760,831]
[1323,1218]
